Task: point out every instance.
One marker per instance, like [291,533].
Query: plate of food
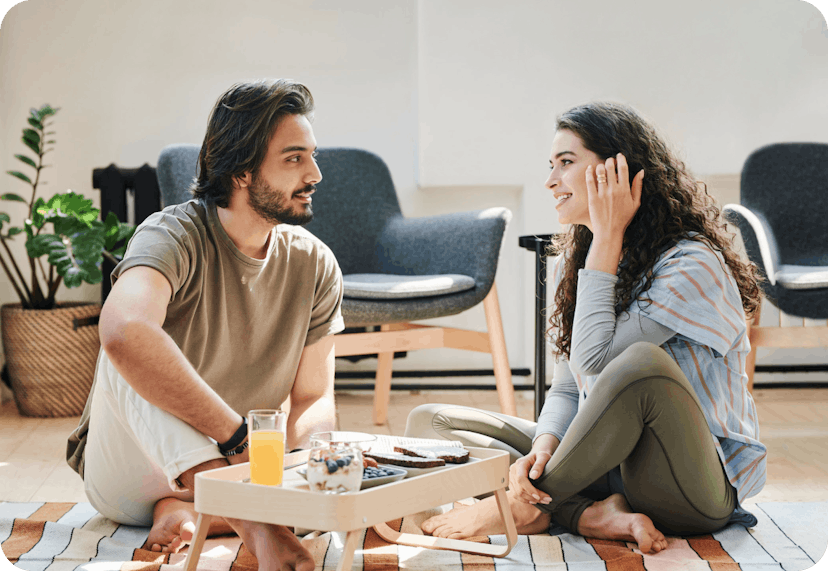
[373,476]
[421,459]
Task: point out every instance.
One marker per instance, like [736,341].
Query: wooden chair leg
[382,384]
[500,359]
[750,362]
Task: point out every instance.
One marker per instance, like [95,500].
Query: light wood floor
[794,426]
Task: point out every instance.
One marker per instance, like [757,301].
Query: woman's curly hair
[674,207]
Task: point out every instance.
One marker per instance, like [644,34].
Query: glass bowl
[335,462]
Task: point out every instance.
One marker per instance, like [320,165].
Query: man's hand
[532,466]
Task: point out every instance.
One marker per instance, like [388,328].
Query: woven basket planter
[51,356]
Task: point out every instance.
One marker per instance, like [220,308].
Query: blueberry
[341,462]
[332,466]
[347,459]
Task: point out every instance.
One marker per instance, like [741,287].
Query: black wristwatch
[237,443]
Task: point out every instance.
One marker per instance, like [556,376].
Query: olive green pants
[641,432]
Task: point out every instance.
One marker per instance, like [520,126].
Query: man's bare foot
[613,518]
[173,526]
[483,518]
[275,546]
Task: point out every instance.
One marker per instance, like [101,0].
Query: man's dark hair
[238,132]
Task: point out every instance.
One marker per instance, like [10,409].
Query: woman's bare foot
[613,518]
[173,526]
[483,518]
[275,546]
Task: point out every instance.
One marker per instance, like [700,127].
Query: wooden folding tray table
[224,492]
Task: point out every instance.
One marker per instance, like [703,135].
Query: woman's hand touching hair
[613,203]
[612,200]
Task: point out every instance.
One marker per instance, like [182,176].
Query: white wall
[718,77]
[458,96]
[132,77]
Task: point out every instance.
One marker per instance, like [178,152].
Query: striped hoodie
[694,294]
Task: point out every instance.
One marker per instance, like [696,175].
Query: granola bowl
[335,462]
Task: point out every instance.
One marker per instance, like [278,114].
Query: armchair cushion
[802,277]
[388,286]
[465,243]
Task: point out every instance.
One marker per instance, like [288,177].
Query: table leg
[347,559]
[202,525]
[460,545]
[506,515]
[540,326]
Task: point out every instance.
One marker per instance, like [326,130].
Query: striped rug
[69,536]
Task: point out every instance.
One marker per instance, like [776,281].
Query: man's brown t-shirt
[241,322]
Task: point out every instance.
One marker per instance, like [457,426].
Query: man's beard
[273,206]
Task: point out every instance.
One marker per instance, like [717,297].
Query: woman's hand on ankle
[530,466]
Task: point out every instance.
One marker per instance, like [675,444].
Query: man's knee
[127,509]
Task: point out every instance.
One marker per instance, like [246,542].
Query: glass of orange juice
[266,431]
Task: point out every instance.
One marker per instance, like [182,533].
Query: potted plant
[51,347]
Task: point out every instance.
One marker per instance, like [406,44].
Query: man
[215,310]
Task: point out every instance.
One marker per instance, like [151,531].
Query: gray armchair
[396,270]
[783,220]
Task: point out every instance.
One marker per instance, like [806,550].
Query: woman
[648,427]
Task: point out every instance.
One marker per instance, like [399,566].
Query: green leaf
[51,142]
[38,220]
[4,218]
[35,123]
[46,110]
[13,197]
[20,175]
[31,135]
[26,160]
[76,257]
[33,146]
[116,232]
[41,244]
[69,205]
[14,231]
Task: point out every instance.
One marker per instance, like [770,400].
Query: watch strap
[235,440]
[237,449]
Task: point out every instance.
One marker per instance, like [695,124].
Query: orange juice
[267,457]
